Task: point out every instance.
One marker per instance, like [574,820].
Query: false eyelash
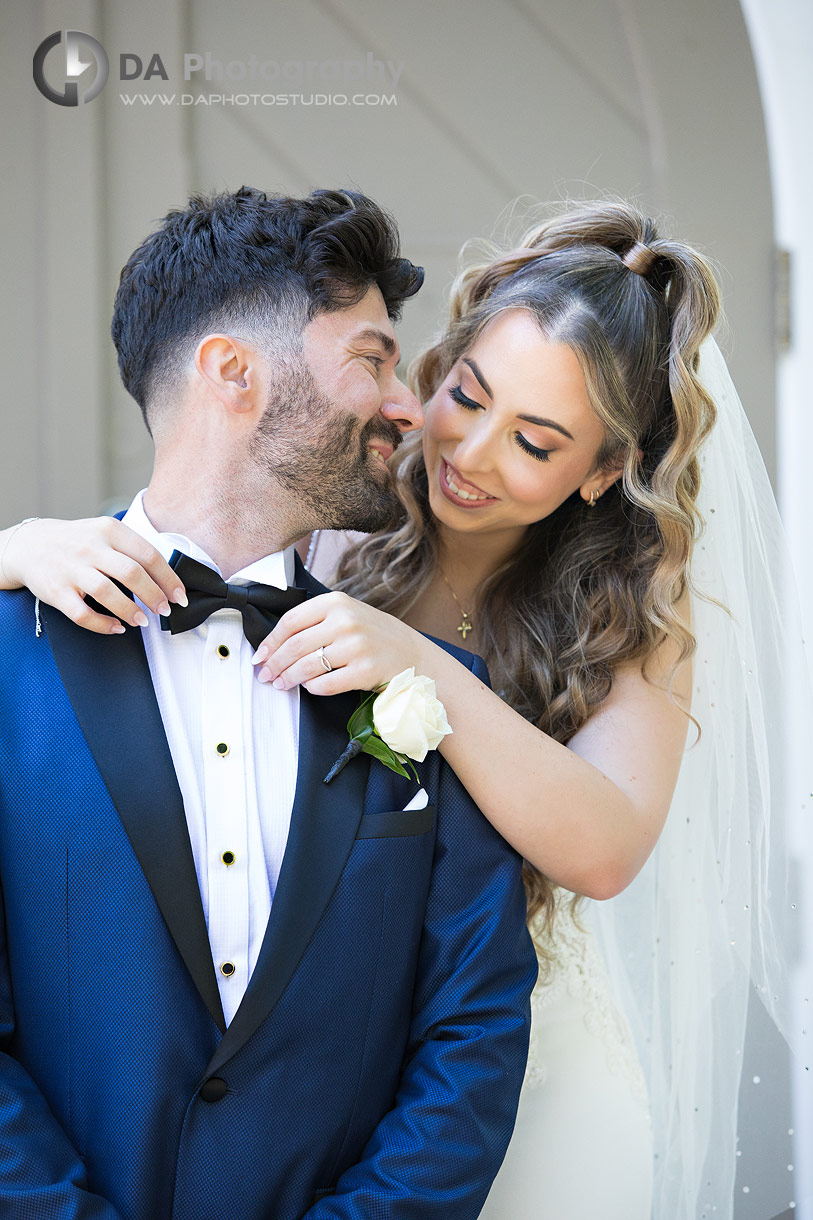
[457,394]
[541,455]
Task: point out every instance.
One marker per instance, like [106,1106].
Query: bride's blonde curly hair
[587,589]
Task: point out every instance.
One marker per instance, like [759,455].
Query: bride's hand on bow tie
[362,647]
[63,562]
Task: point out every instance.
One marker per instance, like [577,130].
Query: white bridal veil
[715,914]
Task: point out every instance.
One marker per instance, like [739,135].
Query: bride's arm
[587,814]
[63,562]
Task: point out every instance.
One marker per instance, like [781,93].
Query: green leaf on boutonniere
[361,722]
[385,754]
[365,740]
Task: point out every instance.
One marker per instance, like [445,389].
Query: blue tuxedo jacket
[374,1066]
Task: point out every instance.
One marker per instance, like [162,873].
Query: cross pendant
[466,626]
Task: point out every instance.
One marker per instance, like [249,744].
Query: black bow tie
[260,605]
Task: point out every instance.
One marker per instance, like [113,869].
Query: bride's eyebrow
[478,374]
[546,423]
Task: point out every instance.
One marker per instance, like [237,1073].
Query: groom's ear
[229,368]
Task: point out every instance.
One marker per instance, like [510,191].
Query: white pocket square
[419,801]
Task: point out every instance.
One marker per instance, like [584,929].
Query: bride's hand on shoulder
[63,562]
[363,646]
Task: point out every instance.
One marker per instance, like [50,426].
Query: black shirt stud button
[222,650]
[227,969]
[222,748]
[213,1089]
[228,858]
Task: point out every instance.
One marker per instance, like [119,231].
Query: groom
[229,991]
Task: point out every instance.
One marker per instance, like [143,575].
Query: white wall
[782,36]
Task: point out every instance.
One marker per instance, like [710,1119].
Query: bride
[573,513]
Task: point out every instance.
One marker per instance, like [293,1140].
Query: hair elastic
[639,258]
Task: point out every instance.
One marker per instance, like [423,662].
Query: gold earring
[594,495]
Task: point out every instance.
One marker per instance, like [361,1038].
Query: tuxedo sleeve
[42,1176]
[438,1150]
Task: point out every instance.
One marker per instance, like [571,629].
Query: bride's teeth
[464,495]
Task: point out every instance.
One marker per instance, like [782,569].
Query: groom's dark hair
[265,264]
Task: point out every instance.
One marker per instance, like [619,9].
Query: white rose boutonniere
[409,717]
[402,722]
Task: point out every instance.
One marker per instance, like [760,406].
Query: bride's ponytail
[693,305]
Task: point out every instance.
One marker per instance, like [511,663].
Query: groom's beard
[320,454]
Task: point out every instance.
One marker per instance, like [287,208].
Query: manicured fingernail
[180,598]
[118,629]
[259,655]
[139,619]
[279,684]
[264,675]
[163,609]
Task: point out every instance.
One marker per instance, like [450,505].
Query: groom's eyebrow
[371,333]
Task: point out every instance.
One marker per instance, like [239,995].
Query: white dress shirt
[234,744]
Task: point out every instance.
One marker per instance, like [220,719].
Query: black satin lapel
[108,682]
[324,821]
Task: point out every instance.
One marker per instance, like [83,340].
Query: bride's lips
[446,469]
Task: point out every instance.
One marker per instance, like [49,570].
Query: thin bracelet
[18,526]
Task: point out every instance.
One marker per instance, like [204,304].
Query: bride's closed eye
[456,392]
[541,455]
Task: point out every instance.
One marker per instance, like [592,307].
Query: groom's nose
[401,407]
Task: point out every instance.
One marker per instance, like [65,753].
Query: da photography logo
[62,85]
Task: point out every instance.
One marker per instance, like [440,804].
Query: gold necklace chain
[466,625]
